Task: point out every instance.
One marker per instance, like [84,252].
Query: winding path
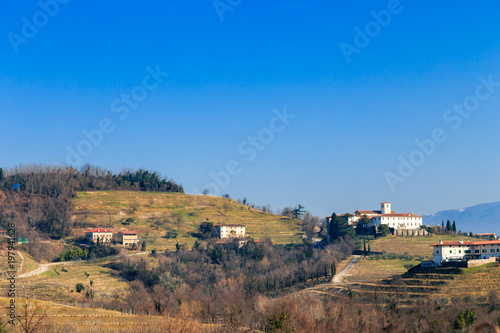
[43,268]
[338,277]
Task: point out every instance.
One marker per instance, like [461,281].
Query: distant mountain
[479,218]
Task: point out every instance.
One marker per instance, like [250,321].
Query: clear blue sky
[65,70]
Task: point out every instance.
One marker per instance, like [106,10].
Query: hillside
[153,214]
[479,218]
[62,318]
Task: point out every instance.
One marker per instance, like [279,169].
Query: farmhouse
[464,251]
[128,237]
[103,235]
[230,230]
[385,216]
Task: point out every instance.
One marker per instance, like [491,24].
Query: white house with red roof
[128,237]
[103,235]
[462,251]
[385,216]
[229,230]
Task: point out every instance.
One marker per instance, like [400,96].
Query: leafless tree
[31,319]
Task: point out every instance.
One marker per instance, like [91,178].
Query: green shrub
[79,287]
[74,253]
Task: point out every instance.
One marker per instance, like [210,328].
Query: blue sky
[353,117]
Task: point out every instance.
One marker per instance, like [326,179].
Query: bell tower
[385,207]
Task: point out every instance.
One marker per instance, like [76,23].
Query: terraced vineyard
[445,284]
[153,214]
[58,283]
[67,318]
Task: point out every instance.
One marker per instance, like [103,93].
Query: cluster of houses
[396,221]
[226,232]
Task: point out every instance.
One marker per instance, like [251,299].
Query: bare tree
[177,218]
[226,206]
[133,207]
[31,320]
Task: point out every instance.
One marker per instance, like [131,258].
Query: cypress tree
[454,227]
[448,225]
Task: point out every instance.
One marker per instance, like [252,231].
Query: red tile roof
[400,215]
[128,232]
[468,243]
[98,230]
[366,212]
[228,225]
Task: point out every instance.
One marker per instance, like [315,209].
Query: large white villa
[385,216]
[462,251]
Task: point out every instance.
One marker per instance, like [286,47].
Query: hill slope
[479,218]
[153,214]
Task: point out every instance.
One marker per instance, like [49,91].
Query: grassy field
[367,270]
[416,246]
[22,264]
[60,318]
[153,214]
[58,283]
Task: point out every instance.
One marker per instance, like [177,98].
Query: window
[450,251]
[484,251]
[477,251]
[437,252]
[492,250]
[459,251]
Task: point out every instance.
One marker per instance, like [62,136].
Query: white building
[385,216]
[103,235]
[396,220]
[225,230]
[461,251]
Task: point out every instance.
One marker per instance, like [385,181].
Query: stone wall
[411,232]
[479,262]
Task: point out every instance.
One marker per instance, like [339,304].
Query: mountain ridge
[478,218]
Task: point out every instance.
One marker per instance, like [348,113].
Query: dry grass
[153,215]
[58,282]
[22,264]
[374,270]
[416,246]
[73,319]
